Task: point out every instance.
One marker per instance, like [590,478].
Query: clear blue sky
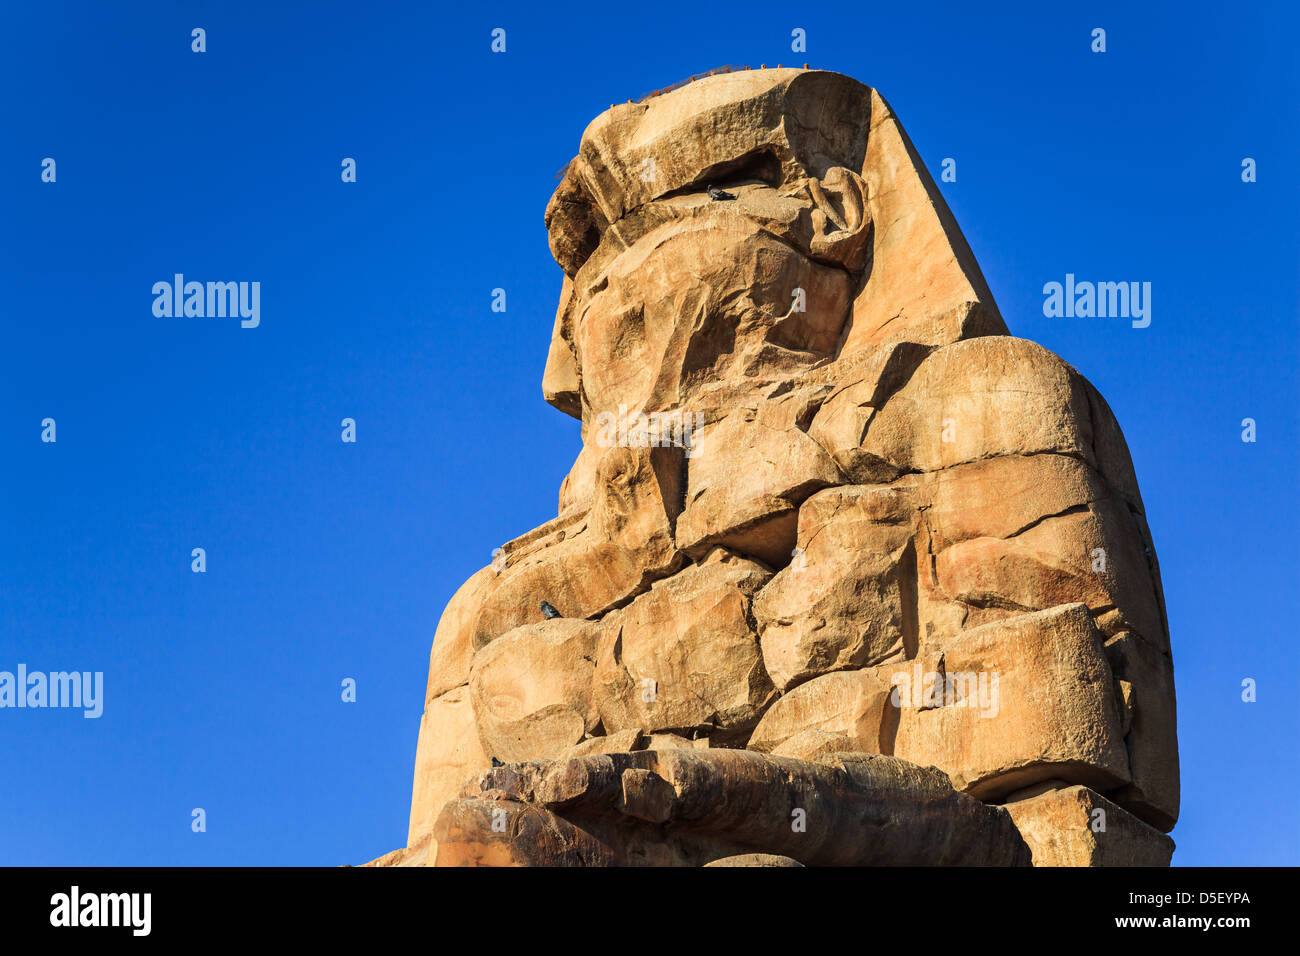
[328,560]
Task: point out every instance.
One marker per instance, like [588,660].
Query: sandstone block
[1152,738]
[847,601]
[1075,826]
[691,807]
[684,655]
[756,859]
[1014,702]
[532,689]
[848,706]
[748,503]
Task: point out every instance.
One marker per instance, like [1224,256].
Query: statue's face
[712,294]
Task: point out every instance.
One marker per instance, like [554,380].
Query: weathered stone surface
[447,753]
[578,489]
[620,742]
[1005,497]
[924,285]
[780,128]
[1019,701]
[850,705]
[748,503]
[814,745]
[671,741]
[982,398]
[841,420]
[560,385]
[846,601]
[1152,737]
[1015,533]
[691,807]
[661,340]
[1075,826]
[628,222]
[756,859]
[1092,555]
[620,546]
[796,117]
[814,467]
[532,689]
[453,642]
[684,654]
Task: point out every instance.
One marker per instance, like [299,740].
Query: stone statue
[844,573]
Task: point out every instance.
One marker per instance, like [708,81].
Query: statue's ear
[841,225]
